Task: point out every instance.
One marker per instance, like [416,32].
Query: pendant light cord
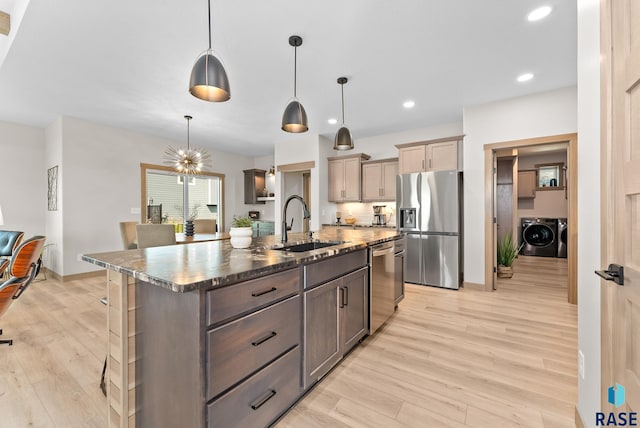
[342,90]
[188,133]
[295,70]
[209,1]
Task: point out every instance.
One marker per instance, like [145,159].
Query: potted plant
[507,252]
[241,232]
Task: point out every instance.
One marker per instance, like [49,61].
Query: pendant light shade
[187,161]
[209,79]
[294,118]
[343,139]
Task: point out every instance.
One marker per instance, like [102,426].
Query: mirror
[164,194]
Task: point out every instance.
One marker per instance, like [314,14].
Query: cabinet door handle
[266,397]
[263,292]
[423,164]
[345,295]
[341,297]
[429,163]
[264,339]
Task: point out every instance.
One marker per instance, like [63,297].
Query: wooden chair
[205,225]
[155,235]
[23,267]
[128,234]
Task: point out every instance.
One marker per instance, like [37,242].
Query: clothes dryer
[539,236]
[562,237]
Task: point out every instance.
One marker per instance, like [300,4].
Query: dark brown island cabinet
[232,344]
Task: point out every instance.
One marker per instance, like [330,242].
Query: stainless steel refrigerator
[429,211]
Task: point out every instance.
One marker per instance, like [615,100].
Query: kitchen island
[205,335]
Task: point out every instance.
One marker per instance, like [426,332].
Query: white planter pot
[240,237]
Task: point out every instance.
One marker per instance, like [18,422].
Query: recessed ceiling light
[525,77]
[409,104]
[332,121]
[539,13]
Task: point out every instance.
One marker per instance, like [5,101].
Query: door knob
[614,273]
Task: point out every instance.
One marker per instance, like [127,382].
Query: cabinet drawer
[227,302]
[261,398]
[239,348]
[334,267]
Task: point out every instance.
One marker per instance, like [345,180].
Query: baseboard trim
[83,275]
[473,286]
[578,420]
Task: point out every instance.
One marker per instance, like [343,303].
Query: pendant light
[343,139]
[209,80]
[189,160]
[294,118]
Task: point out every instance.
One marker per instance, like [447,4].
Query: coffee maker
[379,218]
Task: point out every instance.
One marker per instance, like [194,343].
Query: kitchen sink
[308,246]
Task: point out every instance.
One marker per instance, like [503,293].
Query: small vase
[240,237]
[189,228]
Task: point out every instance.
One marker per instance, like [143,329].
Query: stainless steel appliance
[429,205]
[562,238]
[382,277]
[539,237]
[379,217]
[398,271]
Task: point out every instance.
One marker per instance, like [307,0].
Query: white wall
[53,259]
[538,115]
[589,388]
[102,184]
[23,192]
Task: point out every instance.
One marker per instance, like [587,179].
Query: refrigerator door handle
[419,209]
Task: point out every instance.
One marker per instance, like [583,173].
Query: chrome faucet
[285,227]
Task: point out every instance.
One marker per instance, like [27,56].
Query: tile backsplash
[363,211]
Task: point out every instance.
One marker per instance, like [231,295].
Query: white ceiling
[127,63]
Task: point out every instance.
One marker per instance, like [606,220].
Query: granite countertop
[189,267]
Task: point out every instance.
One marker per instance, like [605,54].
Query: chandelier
[189,160]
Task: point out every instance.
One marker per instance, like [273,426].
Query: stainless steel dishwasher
[382,262]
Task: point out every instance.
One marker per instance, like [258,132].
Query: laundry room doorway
[533,203]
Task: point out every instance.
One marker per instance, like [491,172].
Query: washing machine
[562,237]
[539,236]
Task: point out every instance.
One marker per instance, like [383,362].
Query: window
[162,185]
[550,176]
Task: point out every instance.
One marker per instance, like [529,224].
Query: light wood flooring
[446,358]
[461,359]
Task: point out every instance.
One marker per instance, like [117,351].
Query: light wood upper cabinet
[527,184]
[345,178]
[412,159]
[434,155]
[443,156]
[379,180]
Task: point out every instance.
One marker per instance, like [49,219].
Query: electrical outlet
[79,257]
[581,364]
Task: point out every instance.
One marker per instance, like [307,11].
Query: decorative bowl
[350,220]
